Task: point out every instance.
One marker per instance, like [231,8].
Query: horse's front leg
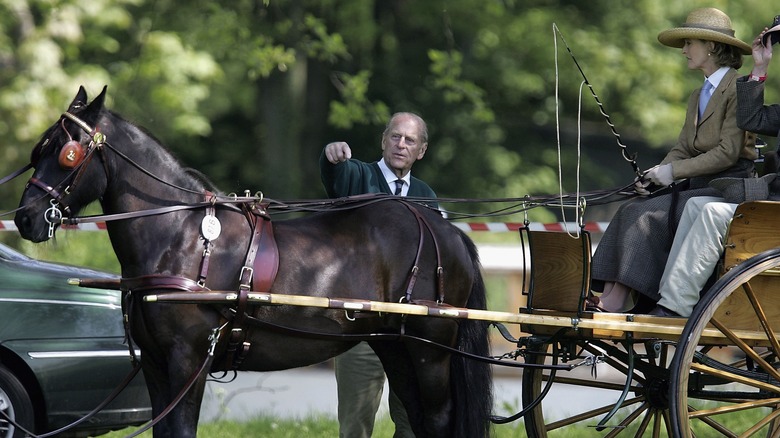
[175,342]
[165,380]
[157,386]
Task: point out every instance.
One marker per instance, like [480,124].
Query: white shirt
[716,77]
[390,177]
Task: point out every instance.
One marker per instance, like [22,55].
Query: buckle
[246,284]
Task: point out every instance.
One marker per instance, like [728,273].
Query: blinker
[71,155]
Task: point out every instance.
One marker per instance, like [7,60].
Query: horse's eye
[37,151]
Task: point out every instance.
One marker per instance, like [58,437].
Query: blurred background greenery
[249,91]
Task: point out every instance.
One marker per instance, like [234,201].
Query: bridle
[73,157]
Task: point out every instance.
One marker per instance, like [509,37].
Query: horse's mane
[138,127]
[195,174]
[200,176]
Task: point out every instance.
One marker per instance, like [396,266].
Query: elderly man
[360,376]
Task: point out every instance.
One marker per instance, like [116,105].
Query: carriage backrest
[559,276]
[753,229]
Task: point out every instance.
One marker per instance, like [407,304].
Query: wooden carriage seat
[754,228]
[559,276]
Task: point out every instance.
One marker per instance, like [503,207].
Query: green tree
[249,91]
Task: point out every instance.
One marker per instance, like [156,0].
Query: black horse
[365,252]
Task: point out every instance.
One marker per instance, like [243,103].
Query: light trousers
[696,250]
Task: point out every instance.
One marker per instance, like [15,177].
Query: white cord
[558,138]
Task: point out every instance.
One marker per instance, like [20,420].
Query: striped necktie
[704,97]
[399,184]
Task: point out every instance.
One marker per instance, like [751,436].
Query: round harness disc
[210,227]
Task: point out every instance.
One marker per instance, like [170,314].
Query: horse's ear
[97,104]
[79,101]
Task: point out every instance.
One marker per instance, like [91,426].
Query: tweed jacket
[714,143]
[752,114]
[354,177]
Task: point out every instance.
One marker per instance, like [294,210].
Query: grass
[318,426]
[323,426]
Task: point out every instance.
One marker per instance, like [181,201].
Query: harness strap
[48,189]
[422,225]
[135,214]
[204,262]
[264,243]
[266,264]
[16,173]
[156,281]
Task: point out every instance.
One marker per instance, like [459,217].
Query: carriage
[322,282]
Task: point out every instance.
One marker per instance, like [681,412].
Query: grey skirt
[635,246]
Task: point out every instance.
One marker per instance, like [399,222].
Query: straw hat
[707,24]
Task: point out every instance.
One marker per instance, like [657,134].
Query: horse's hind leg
[432,369]
[420,377]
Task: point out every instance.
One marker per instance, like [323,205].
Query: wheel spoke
[735,377]
[591,414]
[746,348]
[733,408]
[714,424]
[761,316]
[628,420]
[760,424]
[650,416]
[590,383]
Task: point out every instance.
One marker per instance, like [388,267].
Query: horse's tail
[471,379]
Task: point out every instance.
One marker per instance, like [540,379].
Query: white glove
[640,187]
[660,175]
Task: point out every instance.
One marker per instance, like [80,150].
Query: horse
[155,210]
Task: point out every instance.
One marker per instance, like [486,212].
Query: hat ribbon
[723,30]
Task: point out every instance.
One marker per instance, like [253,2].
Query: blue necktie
[704,97]
[399,184]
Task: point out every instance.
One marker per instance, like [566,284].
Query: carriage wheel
[733,389]
[579,401]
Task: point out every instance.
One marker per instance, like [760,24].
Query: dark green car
[62,351]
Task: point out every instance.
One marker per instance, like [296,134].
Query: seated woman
[633,251]
[698,244]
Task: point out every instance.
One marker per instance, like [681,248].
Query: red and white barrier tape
[498,227]
[495,227]
[100,226]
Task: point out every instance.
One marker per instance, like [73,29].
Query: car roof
[13,257]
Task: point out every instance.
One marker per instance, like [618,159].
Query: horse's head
[68,171]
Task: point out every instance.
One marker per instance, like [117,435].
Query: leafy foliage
[250,91]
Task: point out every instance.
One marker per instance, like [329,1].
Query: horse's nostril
[24,224]
[21,221]
[27,229]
